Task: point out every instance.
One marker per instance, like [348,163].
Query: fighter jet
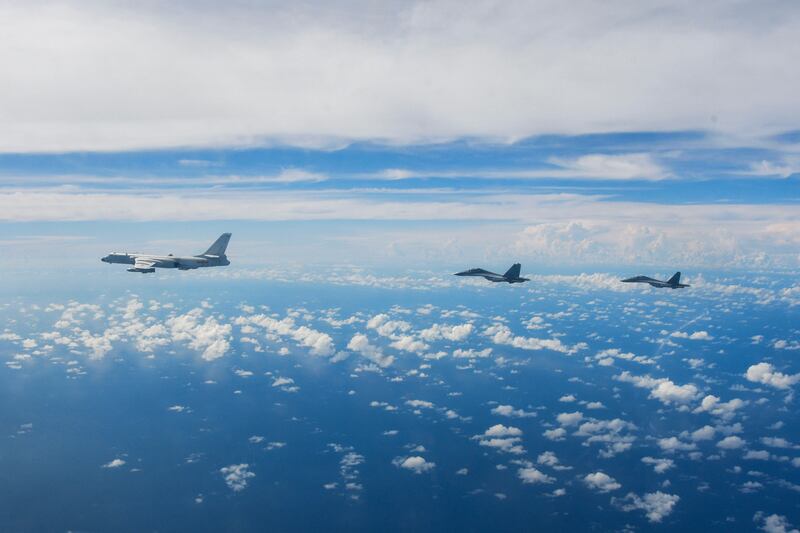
[512,276]
[672,283]
[147,263]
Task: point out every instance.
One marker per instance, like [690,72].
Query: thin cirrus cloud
[635,166]
[95,76]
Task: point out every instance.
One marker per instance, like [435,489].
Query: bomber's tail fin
[675,279]
[219,246]
[513,272]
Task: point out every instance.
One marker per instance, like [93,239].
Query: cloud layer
[100,76]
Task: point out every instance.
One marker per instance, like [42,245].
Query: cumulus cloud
[614,435]
[501,334]
[509,411]
[601,482]
[569,419]
[114,463]
[502,438]
[415,463]
[656,505]
[236,476]
[659,465]
[696,336]
[417,404]
[774,523]
[731,442]
[533,476]
[318,343]
[452,333]
[766,374]
[360,344]
[704,433]
[725,410]
[661,389]
[209,337]
[555,434]
[673,444]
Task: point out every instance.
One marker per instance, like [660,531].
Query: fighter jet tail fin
[219,246]
[675,279]
[513,272]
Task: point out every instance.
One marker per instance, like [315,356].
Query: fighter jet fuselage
[672,283]
[512,276]
[147,263]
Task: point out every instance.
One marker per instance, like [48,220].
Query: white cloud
[704,433]
[774,523]
[114,463]
[415,463]
[509,411]
[501,334]
[656,505]
[455,333]
[471,353]
[569,419]
[318,343]
[208,336]
[659,465]
[398,71]
[766,374]
[416,404]
[612,167]
[777,442]
[731,442]
[360,344]
[555,434]
[606,357]
[601,482]
[614,435]
[672,444]
[531,475]
[502,438]
[236,476]
[695,336]
[725,410]
[661,389]
[499,430]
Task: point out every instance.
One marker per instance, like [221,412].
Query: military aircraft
[146,263]
[672,283]
[512,276]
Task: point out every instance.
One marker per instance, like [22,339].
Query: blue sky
[593,200]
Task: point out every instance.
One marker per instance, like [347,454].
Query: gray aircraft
[512,276]
[146,263]
[672,283]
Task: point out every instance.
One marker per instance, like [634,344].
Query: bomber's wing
[143,265]
[142,262]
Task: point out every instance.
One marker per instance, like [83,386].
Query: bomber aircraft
[146,263]
[512,276]
[672,283]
